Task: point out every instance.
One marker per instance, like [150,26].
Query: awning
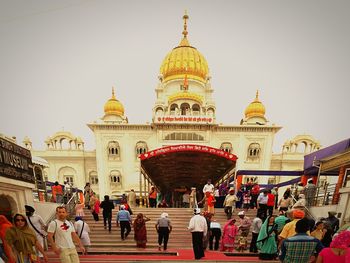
[310,159]
[269,173]
[186,165]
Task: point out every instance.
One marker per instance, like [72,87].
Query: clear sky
[59,60]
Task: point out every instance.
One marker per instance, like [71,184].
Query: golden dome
[255,109]
[184,59]
[114,106]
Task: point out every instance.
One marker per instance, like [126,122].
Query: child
[246,200]
[242,243]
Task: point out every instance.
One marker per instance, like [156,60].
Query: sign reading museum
[15,162]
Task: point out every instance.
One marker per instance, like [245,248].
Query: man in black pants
[199,229]
[124,219]
[107,207]
[215,232]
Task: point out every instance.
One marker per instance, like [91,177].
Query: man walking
[124,220]
[132,198]
[198,227]
[37,224]
[310,191]
[61,235]
[107,207]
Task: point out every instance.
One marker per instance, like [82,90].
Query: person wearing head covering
[22,239]
[230,203]
[300,204]
[4,225]
[132,198]
[124,220]
[244,224]
[266,241]
[301,247]
[36,223]
[140,232]
[208,202]
[229,234]
[310,191]
[107,207]
[163,227]
[193,197]
[338,251]
[199,229]
[289,229]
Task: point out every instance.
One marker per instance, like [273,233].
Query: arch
[159,111]
[253,152]
[174,109]
[8,206]
[93,178]
[196,109]
[39,179]
[185,108]
[115,178]
[141,147]
[211,111]
[226,146]
[113,150]
[67,174]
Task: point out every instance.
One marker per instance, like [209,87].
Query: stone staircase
[103,241]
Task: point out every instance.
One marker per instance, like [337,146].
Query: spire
[184,41]
[185,17]
[257,95]
[113,94]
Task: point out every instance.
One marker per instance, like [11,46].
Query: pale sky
[59,60]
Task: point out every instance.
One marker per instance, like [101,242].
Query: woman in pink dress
[228,235]
[338,251]
[79,209]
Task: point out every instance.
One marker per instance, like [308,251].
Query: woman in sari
[21,240]
[140,232]
[228,235]
[266,241]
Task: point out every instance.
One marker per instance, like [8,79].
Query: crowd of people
[292,235]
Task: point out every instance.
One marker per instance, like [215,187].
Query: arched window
[174,109]
[113,150]
[115,178]
[226,146]
[210,111]
[185,109]
[195,110]
[141,148]
[253,151]
[93,178]
[159,111]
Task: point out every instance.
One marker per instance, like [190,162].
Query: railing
[324,194]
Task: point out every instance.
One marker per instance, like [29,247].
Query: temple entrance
[184,166]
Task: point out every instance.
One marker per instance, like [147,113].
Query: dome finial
[257,95]
[185,17]
[113,94]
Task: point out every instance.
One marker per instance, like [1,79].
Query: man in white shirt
[256,226]
[132,198]
[198,227]
[209,187]
[37,224]
[64,234]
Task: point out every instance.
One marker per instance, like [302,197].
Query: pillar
[336,194]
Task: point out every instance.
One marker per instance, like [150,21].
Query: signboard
[184,119]
[188,148]
[15,162]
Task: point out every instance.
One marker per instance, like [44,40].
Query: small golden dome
[184,60]
[255,109]
[114,106]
